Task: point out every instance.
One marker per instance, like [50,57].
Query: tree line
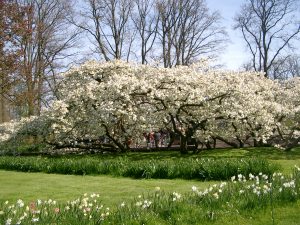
[41,38]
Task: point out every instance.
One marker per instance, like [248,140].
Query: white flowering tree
[186,100]
[29,132]
[122,101]
[287,117]
[207,104]
[102,100]
[249,112]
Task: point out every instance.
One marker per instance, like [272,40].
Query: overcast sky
[235,53]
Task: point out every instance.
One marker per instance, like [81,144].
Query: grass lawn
[114,190]
[286,159]
[283,215]
[32,186]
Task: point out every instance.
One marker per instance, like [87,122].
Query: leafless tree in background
[285,68]
[199,34]
[173,32]
[44,48]
[269,27]
[168,19]
[145,22]
[107,21]
[187,30]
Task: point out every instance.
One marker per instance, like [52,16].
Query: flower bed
[233,198]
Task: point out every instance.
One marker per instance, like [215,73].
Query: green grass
[283,215]
[193,207]
[264,152]
[31,186]
[182,168]
[114,190]
[287,160]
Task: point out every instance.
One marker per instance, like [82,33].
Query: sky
[235,53]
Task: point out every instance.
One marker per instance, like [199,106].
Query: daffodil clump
[235,197]
[80,211]
[183,168]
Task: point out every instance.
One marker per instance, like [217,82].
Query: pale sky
[235,53]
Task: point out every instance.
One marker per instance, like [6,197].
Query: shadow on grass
[262,152]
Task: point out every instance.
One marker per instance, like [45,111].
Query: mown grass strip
[239,198]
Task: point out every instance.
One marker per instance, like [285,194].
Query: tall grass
[224,202]
[185,168]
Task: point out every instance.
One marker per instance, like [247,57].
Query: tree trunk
[183,144]
[4,115]
[208,145]
[258,143]
[232,144]
[214,142]
[30,102]
[241,143]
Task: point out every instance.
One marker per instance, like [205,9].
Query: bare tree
[145,22]
[174,31]
[293,64]
[188,30]
[107,22]
[46,45]
[199,34]
[169,16]
[286,67]
[269,27]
